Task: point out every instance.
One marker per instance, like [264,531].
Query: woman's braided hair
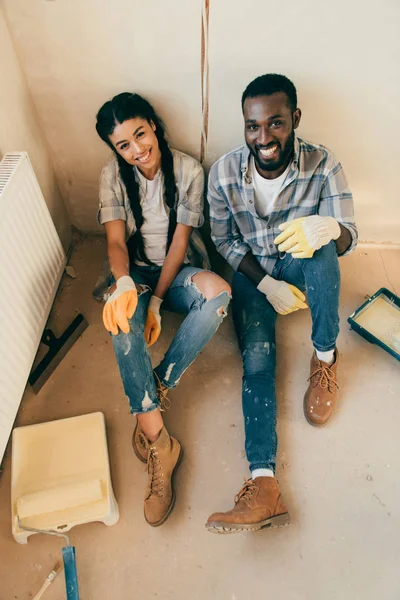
[129,106]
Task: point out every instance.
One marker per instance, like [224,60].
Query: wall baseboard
[379,245]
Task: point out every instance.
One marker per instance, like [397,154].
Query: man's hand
[120,306]
[152,327]
[284,297]
[302,237]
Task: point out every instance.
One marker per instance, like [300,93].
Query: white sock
[326,357]
[262,473]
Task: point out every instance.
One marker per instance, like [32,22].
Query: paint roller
[62,497]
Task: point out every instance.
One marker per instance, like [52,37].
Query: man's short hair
[271,83]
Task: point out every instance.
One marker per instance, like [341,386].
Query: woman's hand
[122,303]
[120,306]
[152,328]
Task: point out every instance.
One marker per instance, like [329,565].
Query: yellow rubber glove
[120,306]
[302,237]
[284,297]
[152,328]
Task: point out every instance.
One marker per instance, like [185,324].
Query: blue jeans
[255,320]
[202,321]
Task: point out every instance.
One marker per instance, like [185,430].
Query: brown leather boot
[320,397]
[164,456]
[258,505]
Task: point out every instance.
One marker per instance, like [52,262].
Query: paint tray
[60,476]
[378,321]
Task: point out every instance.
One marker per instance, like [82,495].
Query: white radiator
[32,261]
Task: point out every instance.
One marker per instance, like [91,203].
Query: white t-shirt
[265,190]
[155,219]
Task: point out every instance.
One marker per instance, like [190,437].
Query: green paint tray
[378,321]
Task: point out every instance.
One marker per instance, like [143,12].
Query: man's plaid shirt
[315,184]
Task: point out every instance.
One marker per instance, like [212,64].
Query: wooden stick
[49,580]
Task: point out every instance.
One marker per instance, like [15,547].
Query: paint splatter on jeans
[255,320]
[202,321]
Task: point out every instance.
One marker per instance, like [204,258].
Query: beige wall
[342,56]
[20,130]
[344,59]
[79,53]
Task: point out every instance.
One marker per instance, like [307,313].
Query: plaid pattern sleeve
[336,200]
[111,195]
[190,175]
[224,229]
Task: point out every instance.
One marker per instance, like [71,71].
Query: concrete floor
[340,482]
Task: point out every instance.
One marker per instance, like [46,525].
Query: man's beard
[284,154]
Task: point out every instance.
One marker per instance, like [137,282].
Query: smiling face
[135,140]
[269,125]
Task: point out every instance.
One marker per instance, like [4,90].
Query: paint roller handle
[71,575]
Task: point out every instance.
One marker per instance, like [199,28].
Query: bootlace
[154,469]
[162,390]
[142,440]
[247,490]
[324,377]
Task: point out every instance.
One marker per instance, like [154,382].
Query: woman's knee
[211,284]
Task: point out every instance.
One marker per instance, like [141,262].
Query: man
[281,213]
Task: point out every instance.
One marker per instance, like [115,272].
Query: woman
[151,198]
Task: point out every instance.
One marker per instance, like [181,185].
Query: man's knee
[259,358]
[211,284]
[324,263]
[327,253]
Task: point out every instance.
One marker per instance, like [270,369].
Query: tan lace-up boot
[164,456]
[320,397]
[258,505]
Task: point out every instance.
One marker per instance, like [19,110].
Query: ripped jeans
[255,320]
[202,321]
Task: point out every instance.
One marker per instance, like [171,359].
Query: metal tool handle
[71,575]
